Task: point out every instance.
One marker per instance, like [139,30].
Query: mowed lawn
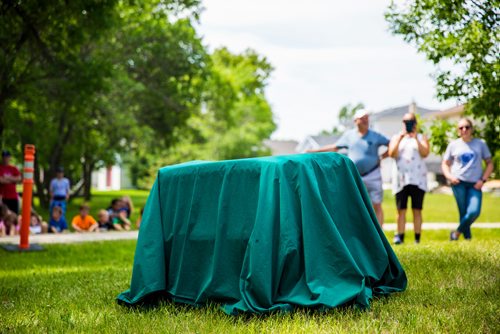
[437,207]
[454,287]
[443,208]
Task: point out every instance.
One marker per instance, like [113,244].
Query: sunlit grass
[443,208]
[453,287]
[437,207]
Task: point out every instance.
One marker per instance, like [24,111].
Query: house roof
[398,112]
[325,140]
[281,147]
[450,112]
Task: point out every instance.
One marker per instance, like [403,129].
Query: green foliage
[90,80]
[233,120]
[237,115]
[347,112]
[345,117]
[165,61]
[453,288]
[462,39]
[441,131]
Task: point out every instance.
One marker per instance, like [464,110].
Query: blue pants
[61,203]
[469,205]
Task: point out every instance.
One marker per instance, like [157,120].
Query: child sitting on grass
[118,215]
[57,222]
[8,221]
[37,225]
[103,220]
[84,222]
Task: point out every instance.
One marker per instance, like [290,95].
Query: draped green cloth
[263,234]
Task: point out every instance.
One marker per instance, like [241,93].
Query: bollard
[29,168]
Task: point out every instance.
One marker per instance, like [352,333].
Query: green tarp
[263,234]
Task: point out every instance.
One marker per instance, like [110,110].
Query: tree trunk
[57,153]
[40,187]
[88,166]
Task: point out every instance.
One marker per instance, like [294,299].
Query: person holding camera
[409,148]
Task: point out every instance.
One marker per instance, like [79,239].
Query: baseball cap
[5,153]
[361,112]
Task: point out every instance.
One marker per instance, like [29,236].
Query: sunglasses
[465,127]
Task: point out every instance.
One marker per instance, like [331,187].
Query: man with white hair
[363,149]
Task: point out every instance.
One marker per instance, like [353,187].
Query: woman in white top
[409,148]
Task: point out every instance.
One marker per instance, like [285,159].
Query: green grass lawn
[437,207]
[443,208]
[453,288]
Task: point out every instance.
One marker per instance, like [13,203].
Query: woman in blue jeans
[462,166]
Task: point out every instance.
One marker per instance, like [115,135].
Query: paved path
[132,235]
[73,237]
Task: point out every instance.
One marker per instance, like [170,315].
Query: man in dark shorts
[9,177]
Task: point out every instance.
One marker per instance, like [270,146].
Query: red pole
[29,168]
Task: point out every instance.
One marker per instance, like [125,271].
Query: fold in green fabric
[263,234]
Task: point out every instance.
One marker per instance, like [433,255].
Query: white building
[315,142]
[281,147]
[111,178]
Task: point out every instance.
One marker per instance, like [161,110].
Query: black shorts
[12,204]
[416,194]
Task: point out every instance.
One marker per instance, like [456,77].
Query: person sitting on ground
[103,220]
[3,228]
[37,225]
[84,222]
[128,206]
[8,221]
[9,177]
[118,216]
[57,223]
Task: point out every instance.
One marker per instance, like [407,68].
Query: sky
[326,54]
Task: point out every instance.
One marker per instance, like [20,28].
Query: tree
[345,117]
[233,120]
[463,34]
[84,80]
[49,73]
[346,114]
[43,45]
[239,115]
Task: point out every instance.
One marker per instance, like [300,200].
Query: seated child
[37,225]
[103,220]
[8,221]
[118,215]
[127,205]
[84,222]
[57,222]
